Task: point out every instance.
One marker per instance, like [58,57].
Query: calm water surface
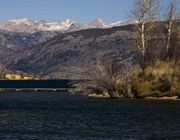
[57,116]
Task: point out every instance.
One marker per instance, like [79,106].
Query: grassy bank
[160,80]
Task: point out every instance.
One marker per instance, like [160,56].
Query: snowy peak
[31,26]
[67,23]
[118,23]
[98,23]
[62,26]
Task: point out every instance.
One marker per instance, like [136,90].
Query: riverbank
[93,95]
[144,98]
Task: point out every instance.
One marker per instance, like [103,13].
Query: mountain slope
[12,41]
[21,33]
[68,55]
[72,54]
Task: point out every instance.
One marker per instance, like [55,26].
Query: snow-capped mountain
[98,23]
[62,26]
[118,23]
[32,26]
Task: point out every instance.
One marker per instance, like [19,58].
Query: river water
[58,116]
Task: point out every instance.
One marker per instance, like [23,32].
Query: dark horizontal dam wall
[35,83]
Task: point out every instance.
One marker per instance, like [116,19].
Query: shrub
[110,77]
[164,85]
[142,87]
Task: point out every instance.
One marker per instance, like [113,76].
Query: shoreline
[100,96]
[176,98]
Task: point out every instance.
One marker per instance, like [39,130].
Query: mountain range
[67,53]
[21,33]
[32,26]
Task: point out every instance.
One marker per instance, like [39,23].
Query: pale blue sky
[81,11]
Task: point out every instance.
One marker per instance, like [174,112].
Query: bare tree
[145,12]
[110,76]
[171,18]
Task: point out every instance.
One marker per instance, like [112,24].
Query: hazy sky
[81,11]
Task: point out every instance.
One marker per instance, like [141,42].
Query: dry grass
[158,80]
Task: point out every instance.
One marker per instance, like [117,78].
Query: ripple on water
[59,116]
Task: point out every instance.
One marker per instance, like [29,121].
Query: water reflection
[59,116]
